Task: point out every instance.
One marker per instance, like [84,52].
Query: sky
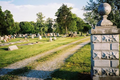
[26,10]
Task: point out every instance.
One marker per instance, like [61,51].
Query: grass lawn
[77,67]
[30,66]
[9,57]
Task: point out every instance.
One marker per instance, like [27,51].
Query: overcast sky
[26,10]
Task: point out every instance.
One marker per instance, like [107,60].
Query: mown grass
[58,52]
[42,59]
[9,57]
[77,67]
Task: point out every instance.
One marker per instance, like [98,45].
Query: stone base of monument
[107,78]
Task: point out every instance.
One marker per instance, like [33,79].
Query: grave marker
[50,39]
[14,47]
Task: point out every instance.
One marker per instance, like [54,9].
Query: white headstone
[55,38]
[50,39]
[51,34]
[40,37]
[32,36]
[58,34]
[2,38]
[14,47]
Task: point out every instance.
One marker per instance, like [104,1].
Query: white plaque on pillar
[101,63]
[100,46]
[114,46]
[114,63]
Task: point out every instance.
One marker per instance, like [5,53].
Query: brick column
[105,51]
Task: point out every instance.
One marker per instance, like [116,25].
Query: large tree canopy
[40,24]
[92,16]
[9,22]
[6,22]
[64,16]
[26,27]
[2,22]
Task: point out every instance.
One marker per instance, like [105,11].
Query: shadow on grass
[38,74]
[67,75]
[6,49]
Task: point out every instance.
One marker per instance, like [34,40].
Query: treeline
[65,22]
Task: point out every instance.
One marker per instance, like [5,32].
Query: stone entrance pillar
[105,47]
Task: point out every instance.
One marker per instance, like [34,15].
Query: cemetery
[65,48]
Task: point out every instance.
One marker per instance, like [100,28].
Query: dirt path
[44,69]
[25,62]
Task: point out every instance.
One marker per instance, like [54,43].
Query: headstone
[23,36]
[64,36]
[55,38]
[105,48]
[51,34]
[32,36]
[26,36]
[9,37]
[12,37]
[14,47]
[2,38]
[75,33]
[57,34]
[5,40]
[50,39]
[20,35]
[40,37]
[6,37]
[87,34]
[48,34]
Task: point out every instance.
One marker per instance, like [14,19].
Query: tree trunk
[66,30]
[81,33]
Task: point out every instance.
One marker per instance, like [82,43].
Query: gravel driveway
[44,69]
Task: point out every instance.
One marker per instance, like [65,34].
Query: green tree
[26,27]
[64,18]
[2,22]
[56,27]
[16,28]
[73,25]
[40,24]
[92,16]
[86,27]
[9,22]
[49,23]
[79,23]
[34,25]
